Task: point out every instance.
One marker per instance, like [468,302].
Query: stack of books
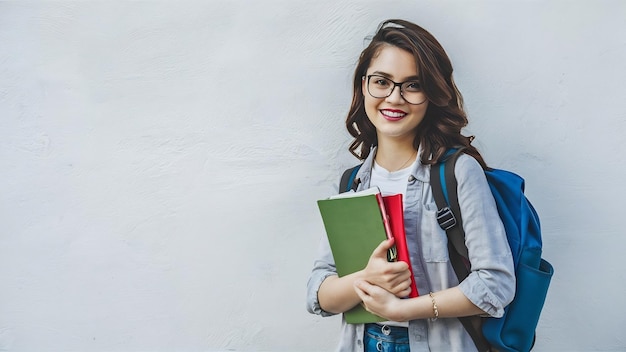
[356,223]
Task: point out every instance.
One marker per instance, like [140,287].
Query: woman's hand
[380,302]
[337,294]
[394,277]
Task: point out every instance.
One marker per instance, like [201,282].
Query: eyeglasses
[382,87]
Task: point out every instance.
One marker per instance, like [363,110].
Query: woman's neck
[394,156]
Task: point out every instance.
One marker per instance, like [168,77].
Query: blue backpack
[515,331]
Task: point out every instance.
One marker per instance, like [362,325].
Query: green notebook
[354,226]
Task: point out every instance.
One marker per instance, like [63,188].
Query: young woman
[406,112]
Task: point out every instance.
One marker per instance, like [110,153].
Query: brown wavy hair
[445,116]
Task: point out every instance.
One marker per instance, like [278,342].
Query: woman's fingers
[402,289]
[400,277]
[362,289]
[407,290]
[375,299]
[383,247]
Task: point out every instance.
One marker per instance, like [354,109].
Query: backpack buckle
[446,218]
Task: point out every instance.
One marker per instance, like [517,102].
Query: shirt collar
[420,171]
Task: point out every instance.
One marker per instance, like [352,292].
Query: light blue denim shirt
[491,283]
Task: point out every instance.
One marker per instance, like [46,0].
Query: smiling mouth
[393,114]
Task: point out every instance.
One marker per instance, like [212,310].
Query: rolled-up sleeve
[491,282]
[323,267]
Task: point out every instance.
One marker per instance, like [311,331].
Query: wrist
[413,308]
[401,310]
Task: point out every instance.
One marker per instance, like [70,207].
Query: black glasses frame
[395,84]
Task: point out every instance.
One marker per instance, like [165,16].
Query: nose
[395,97]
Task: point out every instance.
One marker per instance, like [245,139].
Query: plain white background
[160,161]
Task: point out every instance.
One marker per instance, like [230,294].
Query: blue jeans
[386,338]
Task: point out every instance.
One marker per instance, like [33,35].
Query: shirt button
[359,342]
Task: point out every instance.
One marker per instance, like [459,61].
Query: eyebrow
[386,75]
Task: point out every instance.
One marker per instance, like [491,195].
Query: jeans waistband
[388,330]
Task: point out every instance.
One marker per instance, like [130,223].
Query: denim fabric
[491,283]
[386,338]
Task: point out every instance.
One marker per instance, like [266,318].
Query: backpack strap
[348,179]
[444,187]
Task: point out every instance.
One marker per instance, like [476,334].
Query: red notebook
[395,211]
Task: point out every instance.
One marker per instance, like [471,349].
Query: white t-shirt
[391,182]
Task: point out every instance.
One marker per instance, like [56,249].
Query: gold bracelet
[435,309]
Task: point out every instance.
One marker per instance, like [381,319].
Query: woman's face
[393,117]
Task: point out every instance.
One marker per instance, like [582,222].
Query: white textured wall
[160,162]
